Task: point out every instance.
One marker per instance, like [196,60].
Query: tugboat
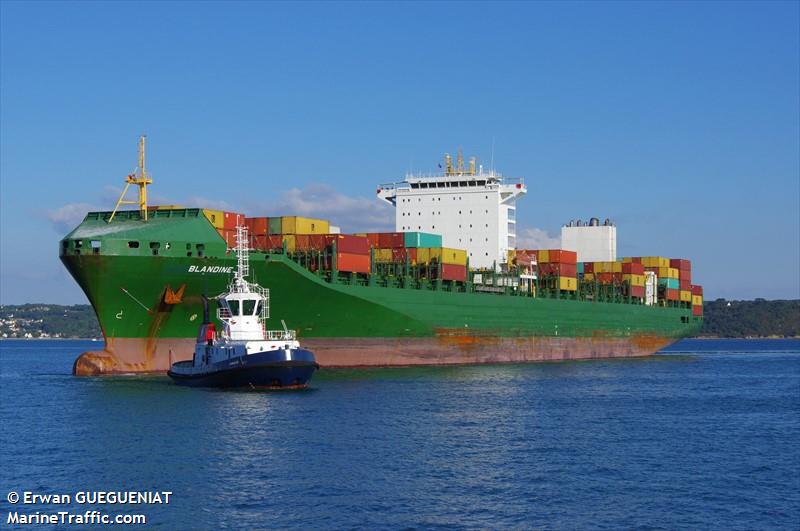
[244,353]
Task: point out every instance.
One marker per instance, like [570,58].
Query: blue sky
[680,121]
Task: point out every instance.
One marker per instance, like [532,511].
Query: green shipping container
[422,239]
[580,268]
[275,226]
[670,283]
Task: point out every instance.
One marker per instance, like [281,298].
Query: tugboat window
[249,305]
[234,307]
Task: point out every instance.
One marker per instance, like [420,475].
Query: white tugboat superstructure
[244,352]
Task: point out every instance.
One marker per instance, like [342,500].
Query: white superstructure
[592,241]
[471,208]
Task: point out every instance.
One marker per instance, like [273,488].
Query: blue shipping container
[670,283]
[422,239]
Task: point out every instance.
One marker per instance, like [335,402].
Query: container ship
[448,286]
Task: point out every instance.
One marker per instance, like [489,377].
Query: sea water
[705,435]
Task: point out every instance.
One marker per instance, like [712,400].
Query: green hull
[149,307]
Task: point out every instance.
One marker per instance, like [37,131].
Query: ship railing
[280,335]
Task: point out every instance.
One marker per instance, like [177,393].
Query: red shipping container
[697,311]
[454,272]
[588,267]
[630,268]
[636,259]
[673,294]
[523,260]
[347,243]
[257,226]
[231,219]
[374,239]
[684,274]
[680,263]
[637,291]
[697,290]
[391,240]
[352,263]
[605,278]
[399,255]
[302,242]
[563,270]
[561,256]
[686,285]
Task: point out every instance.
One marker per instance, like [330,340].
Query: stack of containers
[603,272]
[561,264]
[396,247]
[684,268]
[453,261]
[668,277]
[697,300]
[633,274]
[258,230]
[225,223]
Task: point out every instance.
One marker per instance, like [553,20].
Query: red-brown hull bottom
[131,355]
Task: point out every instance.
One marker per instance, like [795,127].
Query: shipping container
[454,272]
[686,296]
[588,277]
[655,261]
[391,240]
[634,280]
[685,285]
[558,256]
[542,255]
[666,272]
[670,283]
[384,256]
[560,269]
[681,264]
[567,284]
[301,225]
[685,275]
[257,226]
[632,268]
[637,291]
[673,295]
[580,268]
[421,239]
[215,217]
[697,300]
[588,267]
[697,311]
[444,255]
[232,220]
[697,290]
[353,263]
[275,226]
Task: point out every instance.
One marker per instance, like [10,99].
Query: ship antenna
[491,165]
[140,178]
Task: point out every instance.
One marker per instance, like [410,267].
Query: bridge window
[248,307]
[234,307]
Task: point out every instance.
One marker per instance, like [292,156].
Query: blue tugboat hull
[265,370]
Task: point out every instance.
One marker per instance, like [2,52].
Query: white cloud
[68,217]
[537,239]
[352,214]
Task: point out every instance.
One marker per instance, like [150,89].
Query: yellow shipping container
[383,255]
[655,261]
[686,296]
[216,217]
[634,280]
[300,225]
[291,242]
[627,260]
[543,256]
[567,283]
[588,277]
[667,272]
[697,300]
[607,267]
[454,256]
